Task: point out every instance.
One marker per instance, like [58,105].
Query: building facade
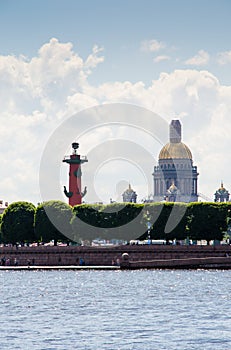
[129,195]
[3,206]
[175,177]
[221,195]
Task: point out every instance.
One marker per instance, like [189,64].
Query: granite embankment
[148,256]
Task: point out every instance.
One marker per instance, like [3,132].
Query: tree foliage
[167,220]
[105,221]
[52,222]
[1,225]
[18,223]
[56,220]
[207,221]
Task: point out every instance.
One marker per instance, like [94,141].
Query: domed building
[129,195]
[175,177]
[221,195]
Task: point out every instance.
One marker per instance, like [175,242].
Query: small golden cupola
[129,195]
[221,195]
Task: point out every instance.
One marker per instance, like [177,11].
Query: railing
[81,157]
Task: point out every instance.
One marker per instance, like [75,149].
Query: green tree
[113,221]
[1,227]
[167,220]
[84,222]
[174,219]
[151,213]
[53,222]
[225,215]
[207,221]
[18,223]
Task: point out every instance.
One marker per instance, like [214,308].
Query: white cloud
[201,102]
[38,94]
[224,57]
[161,58]
[152,45]
[93,59]
[201,59]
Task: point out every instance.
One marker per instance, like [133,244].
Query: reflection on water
[142,309]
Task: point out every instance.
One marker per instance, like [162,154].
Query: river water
[140,310]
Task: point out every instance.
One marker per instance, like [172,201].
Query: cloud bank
[39,93]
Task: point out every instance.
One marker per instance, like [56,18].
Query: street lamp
[149,225]
[228,228]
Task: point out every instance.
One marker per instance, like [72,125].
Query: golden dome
[175,150]
[129,190]
[222,188]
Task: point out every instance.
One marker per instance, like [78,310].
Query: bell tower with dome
[175,170]
[221,195]
[129,195]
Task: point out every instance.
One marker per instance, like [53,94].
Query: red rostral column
[75,195]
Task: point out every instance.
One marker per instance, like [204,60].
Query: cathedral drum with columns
[175,177]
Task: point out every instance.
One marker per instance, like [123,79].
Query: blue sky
[185,27]
[60,57]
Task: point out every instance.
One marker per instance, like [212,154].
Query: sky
[61,58]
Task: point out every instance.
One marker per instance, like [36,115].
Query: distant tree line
[23,223]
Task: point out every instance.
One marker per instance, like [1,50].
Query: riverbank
[69,267]
[221,263]
[127,256]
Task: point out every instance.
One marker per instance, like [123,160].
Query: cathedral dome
[176,150]
[175,177]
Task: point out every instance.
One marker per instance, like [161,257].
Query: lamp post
[228,227]
[149,225]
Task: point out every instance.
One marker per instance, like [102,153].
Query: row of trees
[22,222]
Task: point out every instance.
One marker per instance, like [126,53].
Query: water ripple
[96,310]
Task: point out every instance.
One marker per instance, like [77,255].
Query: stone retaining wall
[99,256]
